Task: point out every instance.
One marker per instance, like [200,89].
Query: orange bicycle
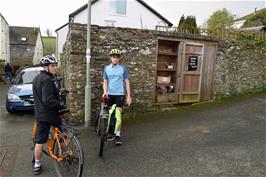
[65,148]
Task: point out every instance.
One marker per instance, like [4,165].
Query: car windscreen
[26,77]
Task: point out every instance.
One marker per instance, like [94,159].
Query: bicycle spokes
[69,152]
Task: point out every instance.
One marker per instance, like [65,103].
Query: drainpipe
[88,58]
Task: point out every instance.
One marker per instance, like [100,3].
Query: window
[27,76]
[23,39]
[118,7]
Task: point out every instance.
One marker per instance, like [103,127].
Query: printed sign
[192,63]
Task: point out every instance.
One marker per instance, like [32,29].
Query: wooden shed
[185,70]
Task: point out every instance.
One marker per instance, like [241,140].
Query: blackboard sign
[192,63]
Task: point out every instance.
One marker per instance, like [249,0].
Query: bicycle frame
[104,111]
[51,143]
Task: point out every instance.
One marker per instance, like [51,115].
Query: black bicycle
[103,125]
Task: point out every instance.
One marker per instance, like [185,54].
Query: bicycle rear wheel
[102,133]
[69,148]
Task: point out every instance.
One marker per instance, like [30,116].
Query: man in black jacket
[47,105]
[8,72]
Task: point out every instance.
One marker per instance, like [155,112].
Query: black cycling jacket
[46,98]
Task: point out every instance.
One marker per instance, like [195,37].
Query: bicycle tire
[102,133]
[97,124]
[72,153]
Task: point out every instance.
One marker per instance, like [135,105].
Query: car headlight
[13,97]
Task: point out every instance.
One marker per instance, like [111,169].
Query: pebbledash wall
[236,67]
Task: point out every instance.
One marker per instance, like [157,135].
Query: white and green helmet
[115,52]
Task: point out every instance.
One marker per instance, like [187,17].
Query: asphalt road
[226,139]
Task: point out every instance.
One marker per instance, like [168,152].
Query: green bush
[249,91]
[221,97]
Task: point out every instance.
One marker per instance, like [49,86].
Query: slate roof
[61,27]
[248,15]
[3,18]
[16,33]
[22,41]
[21,51]
[255,28]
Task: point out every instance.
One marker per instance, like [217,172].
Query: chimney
[255,9]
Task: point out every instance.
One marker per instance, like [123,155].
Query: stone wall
[139,47]
[236,66]
[239,67]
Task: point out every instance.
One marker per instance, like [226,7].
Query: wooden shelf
[160,69]
[170,84]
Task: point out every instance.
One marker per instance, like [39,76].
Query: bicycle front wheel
[68,148]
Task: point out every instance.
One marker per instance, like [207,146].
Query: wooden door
[206,92]
[191,72]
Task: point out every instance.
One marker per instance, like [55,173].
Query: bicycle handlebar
[105,97]
[63,111]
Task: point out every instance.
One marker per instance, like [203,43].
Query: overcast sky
[53,14]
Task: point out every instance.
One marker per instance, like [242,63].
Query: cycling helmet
[115,52]
[49,59]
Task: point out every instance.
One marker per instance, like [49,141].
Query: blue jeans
[8,76]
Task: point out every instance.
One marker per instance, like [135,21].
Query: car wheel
[10,111]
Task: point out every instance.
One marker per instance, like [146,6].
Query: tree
[181,21]
[257,19]
[220,19]
[188,24]
[191,22]
[49,32]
